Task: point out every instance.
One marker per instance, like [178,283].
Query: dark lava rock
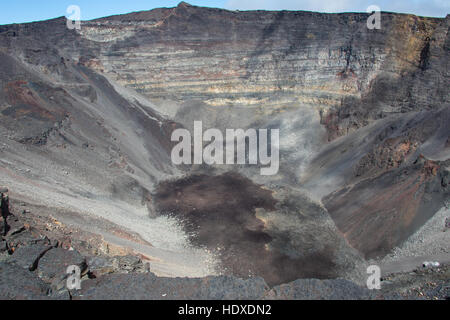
[3,246]
[28,256]
[205,204]
[231,288]
[13,226]
[149,287]
[17,283]
[53,265]
[60,295]
[129,263]
[313,289]
[24,238]
[377,214]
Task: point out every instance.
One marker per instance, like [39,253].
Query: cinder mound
[252,232]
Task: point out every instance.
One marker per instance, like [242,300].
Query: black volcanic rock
[28,256]
[313,289]
[125,284]
[150,287]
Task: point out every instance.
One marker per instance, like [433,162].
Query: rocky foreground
[36,251]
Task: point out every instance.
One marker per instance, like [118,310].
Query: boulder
[28,256]
[99,266]
[14,226]
[17,283]
[3,246]
[146,286]
[53,265]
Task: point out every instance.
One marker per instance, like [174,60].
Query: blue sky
[17,11]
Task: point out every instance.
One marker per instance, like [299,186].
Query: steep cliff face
[86,119]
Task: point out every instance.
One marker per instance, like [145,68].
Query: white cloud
[436,8]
